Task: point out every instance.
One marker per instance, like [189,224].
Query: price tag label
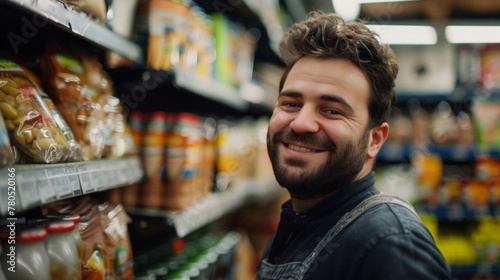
[104,177]
[86,180]
[45,189]
[60,182]
[26,189]
[28,194]
[73,181]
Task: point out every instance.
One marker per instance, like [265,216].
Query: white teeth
[300,149]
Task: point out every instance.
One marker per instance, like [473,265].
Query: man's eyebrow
[290,94]
[325,97]
[337,99]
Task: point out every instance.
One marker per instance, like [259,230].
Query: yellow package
[30,125]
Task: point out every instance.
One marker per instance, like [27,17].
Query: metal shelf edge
[212,207]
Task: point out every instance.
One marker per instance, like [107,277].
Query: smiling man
[329,123]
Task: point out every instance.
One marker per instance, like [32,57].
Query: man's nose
[305,121]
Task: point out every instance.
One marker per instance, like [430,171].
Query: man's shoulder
[388,218]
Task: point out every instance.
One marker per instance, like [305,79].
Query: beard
[339,170]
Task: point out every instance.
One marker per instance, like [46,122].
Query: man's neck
[302,205]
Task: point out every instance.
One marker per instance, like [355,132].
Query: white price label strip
[74,182]
[27,189]
[60,182]
[47,193]
[86,180]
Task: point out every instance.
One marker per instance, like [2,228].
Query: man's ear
[378,135]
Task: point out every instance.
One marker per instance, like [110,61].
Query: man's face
[318,135]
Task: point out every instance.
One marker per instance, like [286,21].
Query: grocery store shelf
[36,184]
[403,152]
[77,23]
[475,269]
[210,89]
[212,207]
[459,212]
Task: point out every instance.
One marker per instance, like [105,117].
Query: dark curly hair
[327,35]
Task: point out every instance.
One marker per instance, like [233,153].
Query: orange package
[65,82]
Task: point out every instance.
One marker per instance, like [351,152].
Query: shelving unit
[210,89]
[37,184]
[458,212]
[211,208]
[41,184]
[48,12]
[449,218]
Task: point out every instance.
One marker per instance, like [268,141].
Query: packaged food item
[94,8]
[444,125]
[487,123]
[153,160]
[101,84]
[30,251]
[62,250]
[207,172]
[122,21]
[401,127]
[228,149]
[167,33]
[490,69]
[420,123]
[183,159]
[77,238]
[95,258]
[114,222]
[466,129]
[6,154]
[429,170]
[130,193]
[30,125]
[116,133]
[74,153]
[263,168]
[66,83]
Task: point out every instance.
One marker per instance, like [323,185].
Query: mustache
[304,138]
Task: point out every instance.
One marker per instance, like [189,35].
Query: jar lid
[56,226]
[66,217]
[23,233]
[28,233]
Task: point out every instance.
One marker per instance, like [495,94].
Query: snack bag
[6,155]
[78,103]
[30,126]
[114,222]
[117,136]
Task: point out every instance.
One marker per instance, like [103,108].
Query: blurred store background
[144,121]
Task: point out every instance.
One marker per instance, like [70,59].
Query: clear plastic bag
[30,126]
[66,84]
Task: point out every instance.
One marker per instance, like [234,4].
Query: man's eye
[293,105]
[332,112]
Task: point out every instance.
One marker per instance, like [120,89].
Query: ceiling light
[405,34]
[460,34]
[347,9]
[382,1]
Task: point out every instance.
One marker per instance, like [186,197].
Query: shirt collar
[335,200]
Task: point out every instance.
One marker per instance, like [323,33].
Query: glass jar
[75,233]
[63,254]
[27,259]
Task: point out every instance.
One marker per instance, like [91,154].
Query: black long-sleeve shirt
[386,242]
